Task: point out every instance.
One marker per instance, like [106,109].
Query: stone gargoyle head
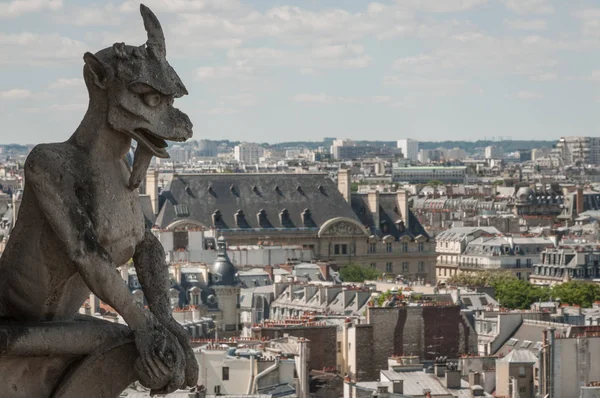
[135,87]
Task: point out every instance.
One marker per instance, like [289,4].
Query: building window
[388,247]
[373,265]
[372,247]
[522,389]
[421,246]
[528,263]
[405,247]
[421,266]
[518,263]
[388,267]
[180,240]
[340,249]
[339,346]
[225,373]
[521,371]
[405,267]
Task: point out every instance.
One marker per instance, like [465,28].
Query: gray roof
[389,213]
[519,356]
[529,336]
[199,196]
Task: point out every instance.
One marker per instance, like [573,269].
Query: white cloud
[15,94]
[69,107]
[524,95]
[237,71]
[241,99]
[219,111]
[590,18]
[441,5]
[67,83]
[523,7]
[544,77]
[15,8]
[526,24]
[35,49]
[191,6]
[325,99]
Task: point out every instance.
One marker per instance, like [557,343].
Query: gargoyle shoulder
[47,159]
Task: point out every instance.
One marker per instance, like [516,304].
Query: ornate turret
[223,272]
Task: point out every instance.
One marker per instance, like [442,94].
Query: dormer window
[306,216]
[262,217]
[284,217]
[255,190]
[233,190]
[211,190]
[240,219]
[217,217]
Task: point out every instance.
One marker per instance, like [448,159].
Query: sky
[273,71]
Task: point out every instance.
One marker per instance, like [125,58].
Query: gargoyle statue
[80,218]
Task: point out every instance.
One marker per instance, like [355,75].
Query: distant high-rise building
[410,148]
[248,153]
[207,148]
[493,152]
[583,150]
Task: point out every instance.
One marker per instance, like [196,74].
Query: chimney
[344,184]
[152,188]
[474,378]
[94,304]
[439,369]
[579,200]
[402,203]
[398,387]
[453,378]
[382,391]
[269,270]
[373,201]
[324,267]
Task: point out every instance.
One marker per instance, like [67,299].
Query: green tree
[356,273]
[435,183]
[485,278]
[519,293]
[577,293]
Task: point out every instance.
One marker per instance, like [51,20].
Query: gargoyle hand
[161,361]
[191,365]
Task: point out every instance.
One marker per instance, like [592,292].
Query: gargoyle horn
[156,38]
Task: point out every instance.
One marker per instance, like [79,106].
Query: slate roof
[519,356]
[388,213]
[198,196]
[529,336]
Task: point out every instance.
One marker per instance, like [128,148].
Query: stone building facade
[427,331]
[321,341]
[308,210]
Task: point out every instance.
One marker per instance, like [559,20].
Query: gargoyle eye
[152,99]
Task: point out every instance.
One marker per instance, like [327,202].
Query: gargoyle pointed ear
[156,37]
[99,69]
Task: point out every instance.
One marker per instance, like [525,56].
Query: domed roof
[222,271]
[524,192]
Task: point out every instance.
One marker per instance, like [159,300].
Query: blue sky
[288,70]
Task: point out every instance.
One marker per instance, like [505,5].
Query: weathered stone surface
[80,218]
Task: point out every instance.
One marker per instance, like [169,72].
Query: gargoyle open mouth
[155,144]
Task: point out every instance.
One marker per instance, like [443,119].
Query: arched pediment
[342,226]
[184,223]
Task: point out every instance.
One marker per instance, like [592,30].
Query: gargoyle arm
[153,274]
[56,197]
